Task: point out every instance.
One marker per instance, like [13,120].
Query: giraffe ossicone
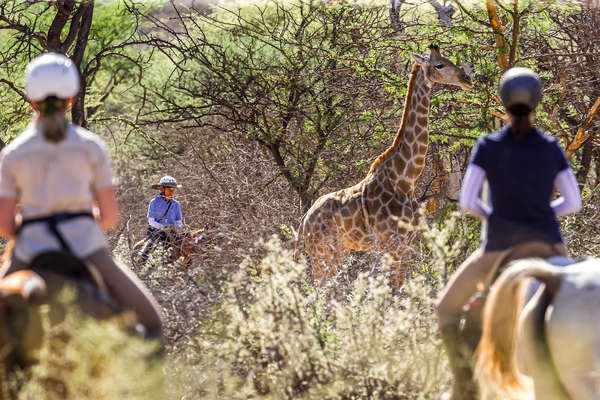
[380,212]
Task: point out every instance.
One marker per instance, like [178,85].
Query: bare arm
[109,208]
[155,224]
[7,217]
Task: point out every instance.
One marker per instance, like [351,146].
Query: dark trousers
[153,236]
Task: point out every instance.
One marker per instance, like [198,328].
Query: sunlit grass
[82,358]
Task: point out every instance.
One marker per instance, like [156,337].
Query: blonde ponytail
[51,120]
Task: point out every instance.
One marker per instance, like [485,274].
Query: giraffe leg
[324,266]
[323,269]
[400,252]
[323,248]
[319,271]
[398,273]
[334,261]
[332,270]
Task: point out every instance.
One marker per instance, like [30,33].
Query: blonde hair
[51,120]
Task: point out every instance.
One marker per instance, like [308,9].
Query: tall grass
[82,358]
[276,336]
[270,335]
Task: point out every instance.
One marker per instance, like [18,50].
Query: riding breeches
[123,286]
[478,271]
[154,235]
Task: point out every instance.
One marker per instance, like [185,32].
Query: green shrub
[278,337]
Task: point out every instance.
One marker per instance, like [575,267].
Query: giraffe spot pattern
[387,210]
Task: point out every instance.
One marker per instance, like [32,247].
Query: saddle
[28,285]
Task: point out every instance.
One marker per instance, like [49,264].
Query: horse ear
[467,70]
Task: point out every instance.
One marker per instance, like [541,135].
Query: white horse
[549,347]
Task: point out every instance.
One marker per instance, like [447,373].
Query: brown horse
[184,245]
[32,304]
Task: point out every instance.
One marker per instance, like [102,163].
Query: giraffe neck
[401,164]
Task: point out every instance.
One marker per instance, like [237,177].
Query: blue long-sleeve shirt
[156,212]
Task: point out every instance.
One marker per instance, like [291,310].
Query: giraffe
[378,212]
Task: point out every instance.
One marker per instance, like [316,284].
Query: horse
[32,304]
[188,244]
[184,245]
[548,347]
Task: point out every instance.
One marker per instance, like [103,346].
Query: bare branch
[582,135]
[445,12]
[501,47]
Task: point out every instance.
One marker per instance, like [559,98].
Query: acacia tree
[568,55]
[303,80]
[560,43]
[320,87]
[69,27]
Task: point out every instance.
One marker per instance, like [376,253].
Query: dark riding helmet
[520,88]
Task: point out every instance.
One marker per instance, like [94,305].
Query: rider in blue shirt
[164,216]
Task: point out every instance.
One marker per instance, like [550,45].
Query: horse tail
[496,361]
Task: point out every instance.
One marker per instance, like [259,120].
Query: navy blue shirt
[521,177]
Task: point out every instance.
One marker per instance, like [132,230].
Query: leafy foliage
[258,108]
[102,40]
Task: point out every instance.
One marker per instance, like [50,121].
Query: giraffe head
[441,70]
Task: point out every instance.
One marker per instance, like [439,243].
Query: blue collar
[505,134]
[160,196]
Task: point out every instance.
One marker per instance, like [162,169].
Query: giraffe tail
[296,237]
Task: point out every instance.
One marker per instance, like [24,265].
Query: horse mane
[400,134]
[8,250]
[496,361]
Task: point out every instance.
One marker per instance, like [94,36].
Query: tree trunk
[78,110]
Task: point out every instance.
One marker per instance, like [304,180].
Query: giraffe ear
[419,59]
[434,51]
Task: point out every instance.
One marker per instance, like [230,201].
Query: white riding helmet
[166,181]
[51,74]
